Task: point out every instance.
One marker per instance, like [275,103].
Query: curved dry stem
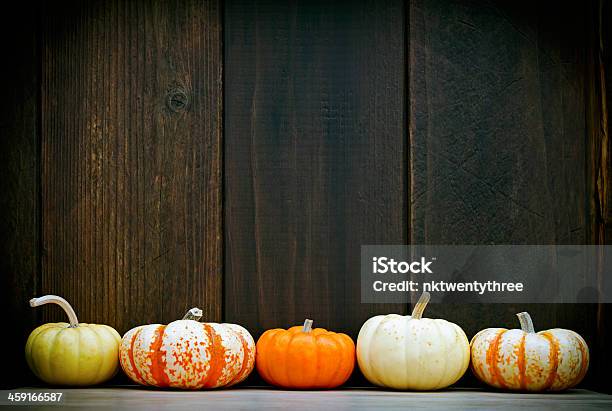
[54,299]
[526,323]
[419,307]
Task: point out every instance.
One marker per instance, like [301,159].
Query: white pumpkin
[411,352]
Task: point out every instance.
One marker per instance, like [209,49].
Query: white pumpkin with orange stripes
[523,360]
[188,354]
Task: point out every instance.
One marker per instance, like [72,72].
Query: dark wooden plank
[315,157]
[19,225]
[600,167]
[131,157]
[497,126]
[605,310]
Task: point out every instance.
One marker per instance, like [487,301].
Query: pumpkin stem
[419,307]
[307,326]
[54,299]
[193,314]
[526,323]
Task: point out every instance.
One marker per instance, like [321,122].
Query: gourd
[551,360]
[305,358]
[73,353]
[188,354]
[412,352]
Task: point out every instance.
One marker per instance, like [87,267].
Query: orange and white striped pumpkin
[551,360]
[188,354]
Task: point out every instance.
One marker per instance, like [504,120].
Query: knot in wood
[177,100]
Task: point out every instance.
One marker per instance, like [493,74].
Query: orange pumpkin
[187,353]
[305,358]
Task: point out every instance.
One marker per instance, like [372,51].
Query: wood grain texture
[600,164]
[19,225]
[315,157]
[497,137]
[131,159]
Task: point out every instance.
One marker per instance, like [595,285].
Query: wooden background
[159,155]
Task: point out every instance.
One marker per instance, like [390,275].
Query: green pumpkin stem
[419,307]
[526,323]
[193,314]
[307,326]
[54,299]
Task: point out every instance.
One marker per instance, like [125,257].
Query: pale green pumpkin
[72,353]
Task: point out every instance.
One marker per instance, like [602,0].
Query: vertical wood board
[131,159]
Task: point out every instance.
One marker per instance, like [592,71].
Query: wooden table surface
[138,398]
